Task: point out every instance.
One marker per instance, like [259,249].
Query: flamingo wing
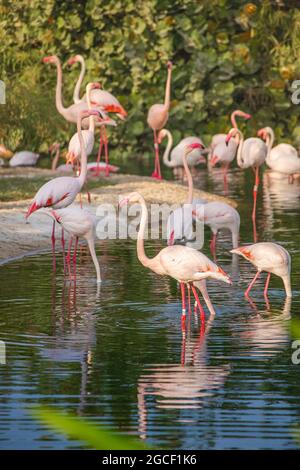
[56,193]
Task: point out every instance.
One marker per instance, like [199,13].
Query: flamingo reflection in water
[182,386]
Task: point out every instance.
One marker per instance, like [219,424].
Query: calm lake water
[116,354]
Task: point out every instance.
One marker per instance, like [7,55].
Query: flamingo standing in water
[157,118]
[99,99]
[283,158]
[269,257]
[222,153]
[217,215]
[60,192]
[176,157]
[186,265]
[79,223]
[252,153]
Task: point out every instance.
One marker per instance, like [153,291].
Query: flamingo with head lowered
[79,223]
[61,191]
[176,157]
[186,265]
[269,257]
[157,118]
[251,153]
[283,158]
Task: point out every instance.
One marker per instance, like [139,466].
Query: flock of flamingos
[189,267]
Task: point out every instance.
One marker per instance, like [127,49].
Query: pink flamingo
[61,191]
[222,153]
[283,158]
[103,100]
[157,118]
[186,265]
[79,223]
[269,257]
[176,157]
[216,214]
[251,153]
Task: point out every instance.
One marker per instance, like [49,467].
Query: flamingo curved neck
[189,178]
[168,89]
[287,285]
[240,142]
[166,155]
[76,94]
[269,142]
[141,235]
[233,119]
[83,167]
[88,99]
[55,159]
[58,94]
[91,244]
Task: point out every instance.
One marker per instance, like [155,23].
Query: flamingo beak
[171,239]
[71,61]
[47,60]
[228,137]
[169,64]
[248,116]
[214,160]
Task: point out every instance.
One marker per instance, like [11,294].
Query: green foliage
[226,54]
[83,430]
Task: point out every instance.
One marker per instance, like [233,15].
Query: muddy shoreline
[18,238]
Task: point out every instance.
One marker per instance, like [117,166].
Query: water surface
[116,353]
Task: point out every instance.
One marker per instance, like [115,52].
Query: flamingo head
[161,135]
[169,65]
[74,59]
[95,86]
[214,159]
[242,114]
[220,275]
[54,147]
[196,145]
[262,133]
[130,198]
[50,59]
[230,134]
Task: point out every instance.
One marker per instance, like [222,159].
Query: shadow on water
[116,354]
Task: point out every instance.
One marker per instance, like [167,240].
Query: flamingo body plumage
[269,257]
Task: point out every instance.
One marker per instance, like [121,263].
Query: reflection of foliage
[226,54]
[82,430]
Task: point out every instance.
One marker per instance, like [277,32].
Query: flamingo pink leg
[157,172]
[99,152]
[53,246]
[255,190]
[68,257]
[63,248]
[106,152]
[267,285]
[183,314]
[75,256]
[252,283]
[213,244]
[202,313]
[189,299]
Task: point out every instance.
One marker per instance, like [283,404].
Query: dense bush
[226,54]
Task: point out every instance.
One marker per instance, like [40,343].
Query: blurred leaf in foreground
[83,430]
